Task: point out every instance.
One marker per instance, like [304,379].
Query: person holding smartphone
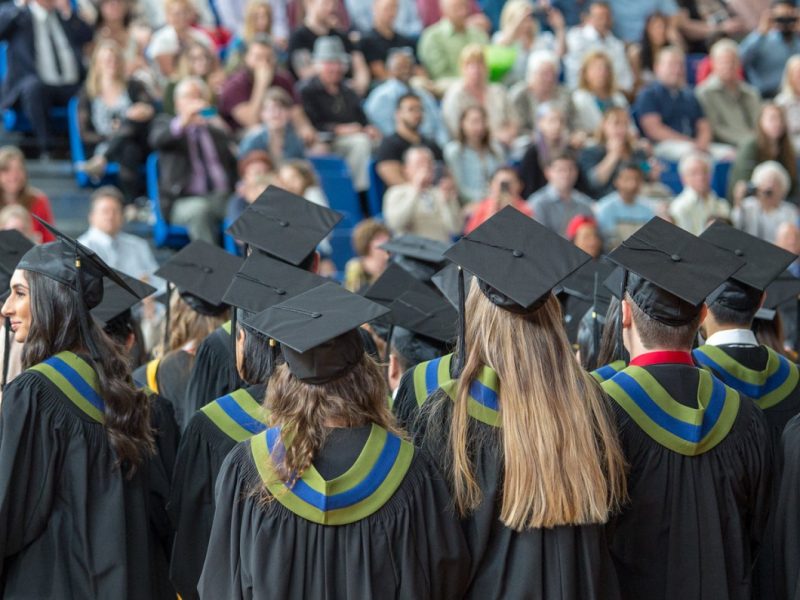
[197,169]
[504,190]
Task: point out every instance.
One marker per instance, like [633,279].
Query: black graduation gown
[212,432]
[212,373]
[71,524]
[568,562]
[404,543]
[169,381]
[698,505]
[786,539]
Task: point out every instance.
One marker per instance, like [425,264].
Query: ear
[315,263]
[704,312]
[763,299]
[627,315]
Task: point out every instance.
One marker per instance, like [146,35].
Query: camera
[751,189]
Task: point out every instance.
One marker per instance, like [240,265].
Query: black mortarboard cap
[584,290]
[263,281]
[394,281]
[426,314]
[420,256]
[415,348]
[63,260]
[779,292]
[317,331]
[447,282]
[117,300]
[672,271]
[201,272]
[284,225]
[13,246]
[516,260]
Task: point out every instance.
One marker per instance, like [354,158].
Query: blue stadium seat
[719,181]
[228,241]
[164,234]
[335,180]
[670,176]
[692,62]
[342,246]
[377,188]
[78,151]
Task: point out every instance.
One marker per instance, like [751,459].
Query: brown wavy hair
[28,194]
[786,155]
[306,411]
[562,461]
[55,328]
[187,325]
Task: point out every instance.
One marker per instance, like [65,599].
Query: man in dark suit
[45,40]
[197,162]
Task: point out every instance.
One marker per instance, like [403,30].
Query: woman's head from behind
[562,461]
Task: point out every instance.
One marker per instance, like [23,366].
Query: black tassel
[461,343]
[796,327]
[273,356]
[234,370]
[166,318]
[388,350]
[620,344]
[83,311]
[595,320]
[6,351]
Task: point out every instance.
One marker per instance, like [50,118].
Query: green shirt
[440,46]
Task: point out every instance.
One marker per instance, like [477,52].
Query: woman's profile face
[17,307]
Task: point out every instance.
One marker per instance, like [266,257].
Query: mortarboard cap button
[516,254]
[738,252]
[675,258]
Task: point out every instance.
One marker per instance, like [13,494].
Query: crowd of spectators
[590,117]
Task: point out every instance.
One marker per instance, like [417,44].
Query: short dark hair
[407,96]
[107,191]
[655,334]
[562,156]
[725,315]
[504,169]
[629,165]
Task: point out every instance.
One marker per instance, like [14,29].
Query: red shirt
[40,206]
[486,209]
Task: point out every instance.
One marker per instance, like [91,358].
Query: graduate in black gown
[523,432]
[75,441]
[114,314]
[331,501]
[284,226]
[200,272]
[221,424]
[699,452]
[786,518]
[13,245]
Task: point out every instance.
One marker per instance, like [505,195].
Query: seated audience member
[582,230]
[771,141]
[114,115]
[257,23]
[659,32]
[421,206]
[593,35]
[407,22]
[115,21]
[197,168]
[298,177]
[440,45]
[276,135]
[504,190]
[697,204]
[474,89]
[122,251]
[765,51]
[168,41]
[381,39]
[730,105]
[519,30]
[255,174]
[15,216]
[472,156]
[242,96]
[761,213]
[787,237]
[389,155]
[41,75]
[550,138]
[335,110]
[15,189]
[616,145]
[540,87]
[382,101]
[623,211]
[195,60]
[669,114]
[631,17]
[243,17]
[558,202]
[321,21]
[596,93]
[789,100]
[370,260]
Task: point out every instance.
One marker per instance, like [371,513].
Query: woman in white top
[764,212]
[596,92]
[789,99]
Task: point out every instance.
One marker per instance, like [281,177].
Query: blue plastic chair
[229,242]
[670,176]
[377,188]
[164,234]
[692,62]
[334,176]
[719,181]
[342,247]
[78,151]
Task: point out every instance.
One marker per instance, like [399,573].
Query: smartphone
[208,112]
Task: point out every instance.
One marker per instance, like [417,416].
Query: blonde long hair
[187,326]
[563,464]
[93,75]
